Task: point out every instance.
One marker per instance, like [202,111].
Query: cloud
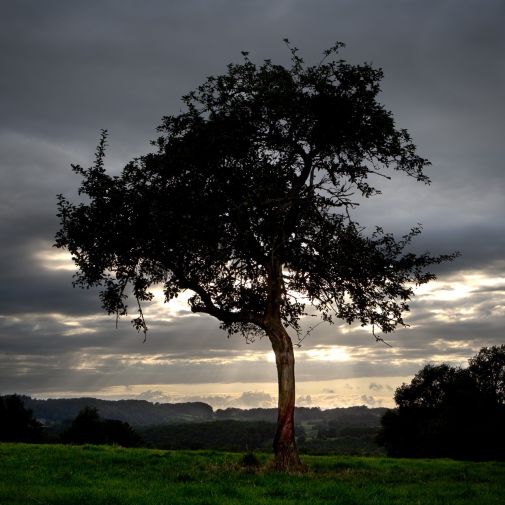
[375,387]
[304,401]
[255,399]
[245,400]
[370,401]
[155,397]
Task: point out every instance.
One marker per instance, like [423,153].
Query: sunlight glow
[460,287]
[464,297]
[453,344]
[78,331]
[51,259]
[161,310]
[332,353]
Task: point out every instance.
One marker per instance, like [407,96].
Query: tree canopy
[247,203]
[255,181]
[89,428]
[450,412]
[17,423]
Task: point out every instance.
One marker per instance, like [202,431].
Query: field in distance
[92,475]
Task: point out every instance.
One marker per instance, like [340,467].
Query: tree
[86,428]
[248,202]
[488,370]
[89,428]
[435,415]
[450,412]
[433,386]
[17,423]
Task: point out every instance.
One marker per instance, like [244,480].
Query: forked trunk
[286,456]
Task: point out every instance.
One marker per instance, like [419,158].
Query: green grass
[55,474]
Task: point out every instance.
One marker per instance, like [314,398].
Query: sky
[69,69]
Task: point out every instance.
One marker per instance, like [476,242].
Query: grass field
[55,474]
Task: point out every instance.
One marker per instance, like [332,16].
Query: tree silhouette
[86,428]
[17,423]
[450,412]
[488,370]
[89,428]
[248,202]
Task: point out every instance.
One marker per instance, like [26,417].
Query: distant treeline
[344,431]
[134,412]
[144,413]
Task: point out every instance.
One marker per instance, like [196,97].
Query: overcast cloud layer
[71,68]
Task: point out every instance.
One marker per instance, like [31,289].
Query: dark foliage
[219,435]
[258,435]
[17,423]
[249,198]
[89,428]
[350,431]
[487,369]
[450,412]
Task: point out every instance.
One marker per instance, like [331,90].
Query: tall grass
[55,474]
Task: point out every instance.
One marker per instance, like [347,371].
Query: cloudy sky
[69,69]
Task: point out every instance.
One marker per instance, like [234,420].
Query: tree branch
[209,307]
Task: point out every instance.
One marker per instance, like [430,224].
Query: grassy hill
[91,475]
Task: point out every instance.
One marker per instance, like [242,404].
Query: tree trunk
[286,458]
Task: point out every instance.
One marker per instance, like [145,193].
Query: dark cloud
[375,387]
[69,69]
[370,401]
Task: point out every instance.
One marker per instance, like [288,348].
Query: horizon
[214,409]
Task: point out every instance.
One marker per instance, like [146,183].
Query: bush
[17,423]
[450,412]
[89,428]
